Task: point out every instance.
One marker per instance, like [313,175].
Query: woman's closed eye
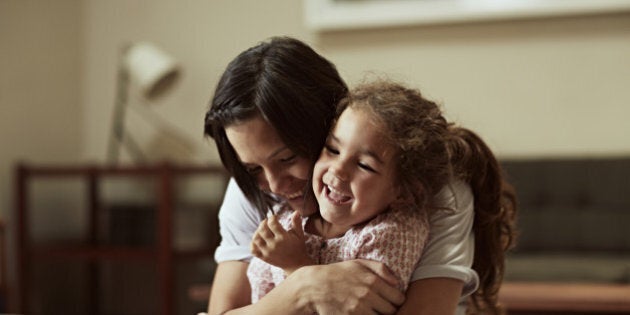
[289,159]
[253,170]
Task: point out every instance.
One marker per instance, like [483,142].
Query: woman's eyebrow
[277,152]
[332,137]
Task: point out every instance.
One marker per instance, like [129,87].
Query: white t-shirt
[449,252]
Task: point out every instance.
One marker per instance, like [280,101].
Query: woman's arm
[435,296]
[238,219]
[341,288]
[231,294]
[444,274]
[230,287]
[349,287]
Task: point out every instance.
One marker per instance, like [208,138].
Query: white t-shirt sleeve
[238,220]
[451,247]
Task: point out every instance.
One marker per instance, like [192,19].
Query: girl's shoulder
[396,221]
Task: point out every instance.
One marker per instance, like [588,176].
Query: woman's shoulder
[455,196]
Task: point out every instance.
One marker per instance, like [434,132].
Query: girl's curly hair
[432,153]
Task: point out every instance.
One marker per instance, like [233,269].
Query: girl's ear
[404,196]
[401,194]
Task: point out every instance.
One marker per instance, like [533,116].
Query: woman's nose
[274,182]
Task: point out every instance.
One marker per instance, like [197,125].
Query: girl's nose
[339,171]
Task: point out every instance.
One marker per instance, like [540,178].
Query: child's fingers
[274,226]
[258,241]
[264,231]
[261,226]
[255,250]
[296,224]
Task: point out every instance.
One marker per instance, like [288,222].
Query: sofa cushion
[578,205]
[573,220]
[569,267]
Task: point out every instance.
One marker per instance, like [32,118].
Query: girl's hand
[281,248]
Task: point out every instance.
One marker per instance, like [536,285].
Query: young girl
[377,179]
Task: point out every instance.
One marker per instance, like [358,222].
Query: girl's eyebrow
[373,155]
[367,152]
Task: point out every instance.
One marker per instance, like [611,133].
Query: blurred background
[534,88]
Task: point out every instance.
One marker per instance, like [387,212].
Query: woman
[270,115]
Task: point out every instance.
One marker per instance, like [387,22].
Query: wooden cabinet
[94,247]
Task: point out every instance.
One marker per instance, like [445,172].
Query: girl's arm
[280,247]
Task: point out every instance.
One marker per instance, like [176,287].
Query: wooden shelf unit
[162,253]
[565,298]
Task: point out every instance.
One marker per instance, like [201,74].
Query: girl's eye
[288,159]
[367,167]
[331,150]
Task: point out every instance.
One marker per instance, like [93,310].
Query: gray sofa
[574,220]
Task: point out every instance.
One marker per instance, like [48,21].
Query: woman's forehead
[254,139]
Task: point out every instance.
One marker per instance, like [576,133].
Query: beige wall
[39,84]
[40,88]
[532,88]
[548,87]
[543,87]
[203,35]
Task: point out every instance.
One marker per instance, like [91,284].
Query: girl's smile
[355,176]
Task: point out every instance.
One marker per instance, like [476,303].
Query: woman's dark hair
[432,152]
[292,87]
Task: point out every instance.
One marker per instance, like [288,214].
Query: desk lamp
[153,72]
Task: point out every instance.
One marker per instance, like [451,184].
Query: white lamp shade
[150,68]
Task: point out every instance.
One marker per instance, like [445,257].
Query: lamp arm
[117,134]
[133,148]
[153,71]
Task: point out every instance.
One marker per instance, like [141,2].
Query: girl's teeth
[336,195]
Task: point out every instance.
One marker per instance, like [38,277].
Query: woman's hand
[348,287]
[281,248]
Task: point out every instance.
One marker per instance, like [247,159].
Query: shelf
[153,244]
[88,252]
[94,253]
[148,170]
[577,297]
